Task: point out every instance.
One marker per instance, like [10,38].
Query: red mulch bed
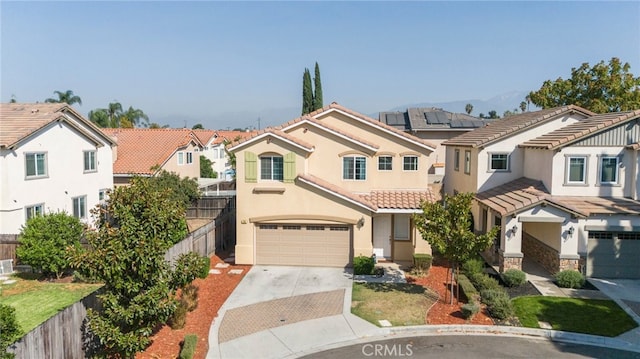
[212,293]
[442,312]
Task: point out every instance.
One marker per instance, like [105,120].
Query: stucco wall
[191,170]
[536,162]
[458,180]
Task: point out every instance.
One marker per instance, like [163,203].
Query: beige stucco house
[329,186]
[562,185]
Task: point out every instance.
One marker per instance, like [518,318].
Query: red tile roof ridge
[302,119]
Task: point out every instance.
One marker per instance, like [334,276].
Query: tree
[523,106]
[197,126]
[493,114]
[468,108]
[601,88]
[135,228]
[157,125]
[65,97]
[183,190]
[115,117]
[136,117]
[307,93]
[447,226]
[9,330]
[206,169]
[44,239]
[317,94]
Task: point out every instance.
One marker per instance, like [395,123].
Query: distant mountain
[500,104]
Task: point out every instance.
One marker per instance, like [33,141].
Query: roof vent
[34,110]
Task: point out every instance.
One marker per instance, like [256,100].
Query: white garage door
[303,245]
[614,255]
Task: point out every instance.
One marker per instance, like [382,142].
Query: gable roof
[232,135]
[271,132]
[323,126]
[512,125]
[205,136]
[140,149]
[430,119]
[20,121]
[580,130]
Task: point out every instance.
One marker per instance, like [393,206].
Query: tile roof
[20,120]
[140,149]
[511,125]
[634,146]
[232,135]
[269,131]
[337,191]
[579,130]
[431,118]
[306,119]
[204,136]
[601,205]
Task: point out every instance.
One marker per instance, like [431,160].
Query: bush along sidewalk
[492,294]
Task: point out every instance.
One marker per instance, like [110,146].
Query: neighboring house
[436,126]
[328,186]
[562,185]
[51,159]
[145,152]
[214,142]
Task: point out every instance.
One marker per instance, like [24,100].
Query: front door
[382,236]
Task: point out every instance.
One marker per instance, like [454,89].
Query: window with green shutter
[250,167]
[289,167]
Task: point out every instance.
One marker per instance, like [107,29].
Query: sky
[230,64]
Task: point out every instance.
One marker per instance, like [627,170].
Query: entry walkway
[544,283]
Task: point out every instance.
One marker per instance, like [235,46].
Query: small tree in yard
[43,240]
[446,226]
[135,229]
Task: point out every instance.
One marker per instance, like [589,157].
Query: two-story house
[436,126]
[146,151]
[51,159]
[214,142]
[561,183]
[328,186]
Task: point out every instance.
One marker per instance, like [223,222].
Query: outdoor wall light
[570,231]
[361,222]
[515,228]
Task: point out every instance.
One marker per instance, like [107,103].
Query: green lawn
[399,303]
[589,316]
[36,301]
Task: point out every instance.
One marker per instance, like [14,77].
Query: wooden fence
[8,244]
[201,241]
[211,206]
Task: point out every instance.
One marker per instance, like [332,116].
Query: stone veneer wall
[548,257]
[510,261]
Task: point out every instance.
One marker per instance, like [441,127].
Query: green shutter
[289,167]
[250,167]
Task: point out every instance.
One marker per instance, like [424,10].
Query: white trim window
[401,224]
[90,161]
[36,164]
[103,195]
[354,168]
[456,159]
[410,163]
[79,207]
[576,172]
[180,158]
[609,169]
[499,162]
[385,163]
[271,168]
[32,211]
[189,158]
[467,162]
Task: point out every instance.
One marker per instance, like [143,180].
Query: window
[385,163]
[90,161]
[268,226]
[271,168]
[291,228]
[456,160]
[410,163]
[102,195]
[609,170]
[189,157]
[80,207]
[354,168]
[576,170]
[32,211]
[499,162]
[401,227]
[467,162]
[215,153]
[315,228]
[180,158]
[36,164]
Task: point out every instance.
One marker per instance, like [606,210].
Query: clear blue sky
[224,64]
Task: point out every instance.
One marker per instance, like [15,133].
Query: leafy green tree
[67,97]
[114,116]
[44,239]
[468,108]
[447,226]
[317,94]
[10,330]
[197,126]
[523,106]
[307,93]
[180,189]
[206,168]
[137,226]
[136,117]
[493,114]
[602,88]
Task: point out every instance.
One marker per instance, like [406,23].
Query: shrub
[179,316]
[188,267]
[188,346]
[205,265]
[569,279]
[473,266]
[470,309]
[484,282]
[514,277]
[9,330]
[422,261]
[44,239]
[363,265]
[190,296]
[490,296]
[467,288]
[501,308]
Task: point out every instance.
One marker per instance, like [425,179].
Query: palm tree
[100,117]
[523,106]
[136,117]
[114,111]
[468,108]
[65,97]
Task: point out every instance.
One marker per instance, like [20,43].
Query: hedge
[188,346]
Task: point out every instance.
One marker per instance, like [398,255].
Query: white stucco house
[214,142]
[51,159]
[562,185]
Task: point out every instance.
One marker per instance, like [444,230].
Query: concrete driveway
[625,292]
[277,311]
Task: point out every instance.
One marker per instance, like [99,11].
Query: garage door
[303,244]
[614,255]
